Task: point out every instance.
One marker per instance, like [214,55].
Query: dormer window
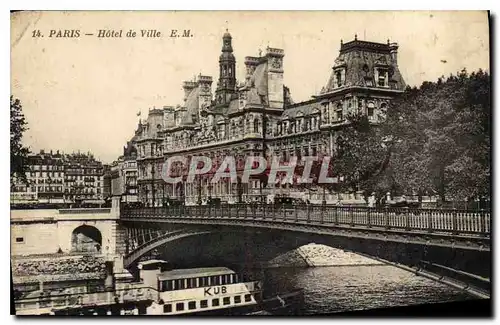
[339,77]
[382,77]
[381,80]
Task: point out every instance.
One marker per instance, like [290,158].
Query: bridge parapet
[46,215]
[449,221]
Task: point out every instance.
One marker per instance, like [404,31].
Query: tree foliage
[434,140]
[18,153]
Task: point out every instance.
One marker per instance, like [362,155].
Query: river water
[349,288]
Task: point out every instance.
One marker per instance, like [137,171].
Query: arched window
[256,125]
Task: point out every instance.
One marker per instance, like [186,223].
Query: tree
[433,140]
[441,137]
[18,153]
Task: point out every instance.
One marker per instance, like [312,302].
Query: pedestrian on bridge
[372,200]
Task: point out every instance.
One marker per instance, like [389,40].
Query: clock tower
[227,74]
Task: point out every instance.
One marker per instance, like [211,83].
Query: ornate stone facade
[257,117]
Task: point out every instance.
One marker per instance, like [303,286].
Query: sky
[84,93]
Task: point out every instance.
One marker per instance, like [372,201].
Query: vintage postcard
[250,163]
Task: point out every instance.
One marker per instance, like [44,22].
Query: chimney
[393,48]
[204,80]
[251,63]
[274,58]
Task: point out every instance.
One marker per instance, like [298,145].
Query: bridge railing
[452,221]
[84,210]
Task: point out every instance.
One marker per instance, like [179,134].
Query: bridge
[452,246]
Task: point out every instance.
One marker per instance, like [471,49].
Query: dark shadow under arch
[86,239]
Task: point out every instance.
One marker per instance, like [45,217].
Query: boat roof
[193,273]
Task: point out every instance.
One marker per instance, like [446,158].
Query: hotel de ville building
[257,117]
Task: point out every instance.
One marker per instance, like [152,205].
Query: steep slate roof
[306,108]
[360,59]
[259,79]
[192,105]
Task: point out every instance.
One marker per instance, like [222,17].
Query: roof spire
[355,37]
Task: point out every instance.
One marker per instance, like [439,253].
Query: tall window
[285,156]
[325,112]
[371,109]
[340,115]
[256,125]
[381,78]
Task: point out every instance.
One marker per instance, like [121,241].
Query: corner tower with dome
[257,117]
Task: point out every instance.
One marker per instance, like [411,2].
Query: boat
[196,291]
[211,291]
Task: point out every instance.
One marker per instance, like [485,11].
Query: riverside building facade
[57,178]
[257,117]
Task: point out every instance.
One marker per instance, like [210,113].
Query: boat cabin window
[180,284]
[215,280]
[191,283]
[237,299]
[215,302]
[204,303]
[179,306]
[248,298]
[226,301]
[205,281]
[192,305]
[167,308]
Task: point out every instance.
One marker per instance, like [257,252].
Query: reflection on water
[346,288]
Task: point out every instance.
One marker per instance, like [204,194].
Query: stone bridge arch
[231,245]
[86,239]
[401,250]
